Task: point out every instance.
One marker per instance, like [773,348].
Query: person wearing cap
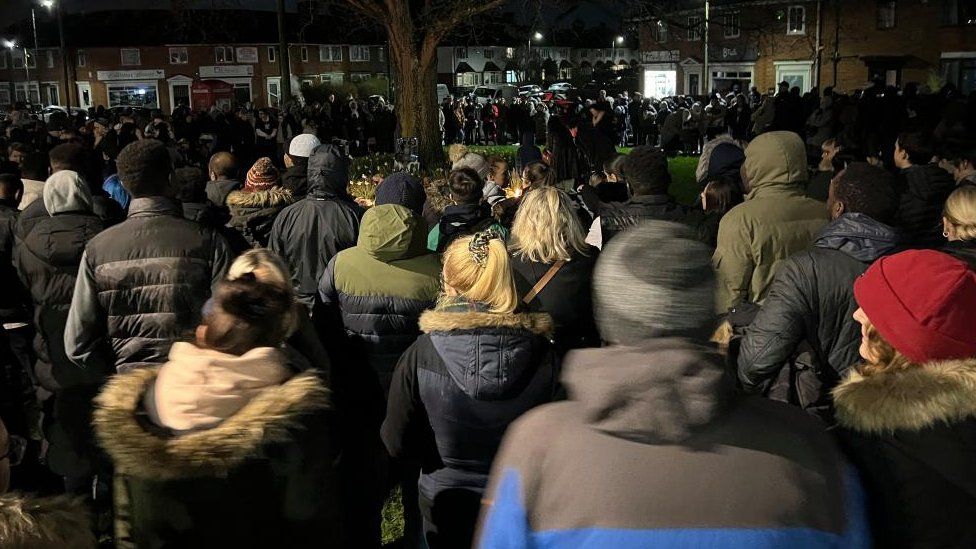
[295,178]
[908,411]
[654,448]
[254,208]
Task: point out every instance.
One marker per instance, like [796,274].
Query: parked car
[560,87]
[46,112]
[482,94]
[529,89]
[506,92]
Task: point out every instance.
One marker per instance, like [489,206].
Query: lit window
[178,56]
[359,53]
[224,54]
[82,58]
[330,53]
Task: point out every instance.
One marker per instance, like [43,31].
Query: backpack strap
[541,284]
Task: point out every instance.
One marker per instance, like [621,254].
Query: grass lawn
[684,188]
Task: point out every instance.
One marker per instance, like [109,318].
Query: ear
[201,335]
[837,209]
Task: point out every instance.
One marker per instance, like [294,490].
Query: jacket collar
[144,451]
[858,236]
[155,205]
[273,197]
[911,400]
[452,319]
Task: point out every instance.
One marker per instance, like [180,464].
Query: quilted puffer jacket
[252,214]
[381,286]
[811,301]
[141,286]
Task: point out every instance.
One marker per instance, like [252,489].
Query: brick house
[162,76]
[762,42]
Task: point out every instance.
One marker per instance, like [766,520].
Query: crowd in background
[208,342]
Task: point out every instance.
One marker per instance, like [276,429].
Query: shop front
[132,88]
[732,68]
[239,77]
[211,93]
[660,73]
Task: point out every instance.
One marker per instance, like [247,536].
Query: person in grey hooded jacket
[310,232]
[805,339]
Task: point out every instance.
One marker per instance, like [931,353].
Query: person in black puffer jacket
[47,259]
[310,232]
[809,306]
[923,188]
[546,232]
[477,368]
[142,283]
[646,170]
[254,208]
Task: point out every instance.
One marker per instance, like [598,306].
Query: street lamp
[613,50]
[50,5]
[537,36]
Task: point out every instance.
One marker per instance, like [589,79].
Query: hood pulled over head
[775,159]
[66,191]
[391,232]
[328,170]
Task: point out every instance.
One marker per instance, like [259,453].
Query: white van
[442,93]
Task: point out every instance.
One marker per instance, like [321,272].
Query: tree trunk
[416,104]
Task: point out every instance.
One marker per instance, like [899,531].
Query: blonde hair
[546,229]
[960,212]
[885,358]
[267,267]
[489,282]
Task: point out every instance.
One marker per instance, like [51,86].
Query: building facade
[808,44]
[197,74]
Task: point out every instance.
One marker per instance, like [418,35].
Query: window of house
[694,27]
[359,53]
[381,54]
[886,15]
[224,54]
[272,54]
[461,53]
[82,58]
[958,12]
[17,58]
[332,78]
[796,20]
[50,59]
[304,53]
[30,93]
[131,56]
[489,53]
[510,53]
[731,21]
[178,56]
[330,53]
[3,63]
[660,32]
[359,76]
[4,92]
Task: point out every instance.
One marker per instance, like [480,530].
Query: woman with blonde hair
[553,266]
[908,412]
[959,224]
[477,367]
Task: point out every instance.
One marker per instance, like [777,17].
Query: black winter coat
[262,478]
[568,297]
[615,217]
[457,389]
[808,308]
[252,214]
[923,191]
[295,178]
[912,435]
[310,232]
[141,286]
[962,249]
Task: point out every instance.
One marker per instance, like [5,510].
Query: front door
[84,95]
[693,84]
[274,92]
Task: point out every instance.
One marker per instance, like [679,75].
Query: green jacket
[776,220]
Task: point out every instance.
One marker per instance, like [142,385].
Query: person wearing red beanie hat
[907,414]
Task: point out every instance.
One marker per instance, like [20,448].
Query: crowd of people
[214,344]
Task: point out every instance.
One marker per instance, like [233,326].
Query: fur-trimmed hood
[139,449]
[911,400]
[44,523]
[488,356]
[271,198]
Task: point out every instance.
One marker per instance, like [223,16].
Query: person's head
[721,194]
[959,214]
[245,313]
[16,153]
[654,280]
[913,149]
[265,265]
[474,161]
[498,171]
[598,178]
[865,189]
[465,186]
[777,158]
[402,189]
[783,87]
[144,168]
[477,269]
[613,167]
[190,185]
[828,151]
[647,171]
[34,167]
[262,176]
[68,156]
[263,115]
[223,165]
[11,188]
[964,162]
[536,175]
[546,228]
[301,147]
[915,307]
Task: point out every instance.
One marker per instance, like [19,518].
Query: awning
[491,67]
[463,67]
[566,64]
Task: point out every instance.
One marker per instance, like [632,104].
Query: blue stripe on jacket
[507,527]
